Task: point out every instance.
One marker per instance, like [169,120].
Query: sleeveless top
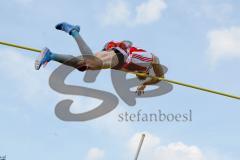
[138,60]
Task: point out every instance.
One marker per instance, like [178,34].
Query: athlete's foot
[66,27]
[43,59]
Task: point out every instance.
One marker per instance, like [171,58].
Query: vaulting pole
[141,74]
[140,146]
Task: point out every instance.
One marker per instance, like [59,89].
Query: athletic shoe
[43,59]
[66,27]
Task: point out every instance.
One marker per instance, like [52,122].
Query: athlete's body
[115,55]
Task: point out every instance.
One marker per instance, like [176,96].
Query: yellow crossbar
[189,86]
[21,47]
[141,74]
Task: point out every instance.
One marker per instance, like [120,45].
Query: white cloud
[120,13]
[116,13]
[95,154]
[149,11]
[154,150]
[224,43]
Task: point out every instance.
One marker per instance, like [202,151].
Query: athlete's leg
[74,31]
[108,60]
[46,56]
[101,60]
[87,53]
[81,63]
[84,48]
[68,60]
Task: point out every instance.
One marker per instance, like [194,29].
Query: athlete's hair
[127,43]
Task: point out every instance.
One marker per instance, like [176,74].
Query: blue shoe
[67,27]
[43,59]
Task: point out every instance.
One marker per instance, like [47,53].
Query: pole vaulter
[112,50]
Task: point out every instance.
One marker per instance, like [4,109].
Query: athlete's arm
[158,71]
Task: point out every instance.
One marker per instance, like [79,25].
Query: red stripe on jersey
[146,59]
[139,56]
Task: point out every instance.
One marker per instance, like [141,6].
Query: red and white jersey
[138,60]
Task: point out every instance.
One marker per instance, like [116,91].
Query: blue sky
[197,40]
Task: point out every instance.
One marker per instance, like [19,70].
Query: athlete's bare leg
[100,60]
[88,60]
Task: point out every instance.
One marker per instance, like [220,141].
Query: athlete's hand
[140,89]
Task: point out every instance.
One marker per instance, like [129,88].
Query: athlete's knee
[81,65]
